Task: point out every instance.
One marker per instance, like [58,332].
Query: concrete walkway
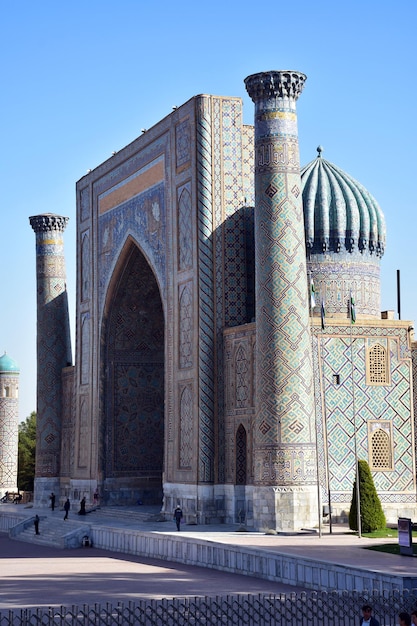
[32,575]
[35,576]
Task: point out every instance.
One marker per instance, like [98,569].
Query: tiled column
[53,349]
[9,424]
[285,494]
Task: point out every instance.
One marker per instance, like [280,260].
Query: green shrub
[372,515]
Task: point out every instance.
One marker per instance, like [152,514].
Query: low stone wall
[288,569]
[274,566]
[9,520]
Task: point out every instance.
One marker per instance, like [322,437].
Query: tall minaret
[9,424]
[53,349]
[285,494]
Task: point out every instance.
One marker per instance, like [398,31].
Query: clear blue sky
[80,79]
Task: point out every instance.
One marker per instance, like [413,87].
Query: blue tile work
[53,339]
[233,241]
[284,429]
[335,275]
[134,217]
[9,420]
[227,220]
[206,289]
[345,408]
[248,165]
[143,218]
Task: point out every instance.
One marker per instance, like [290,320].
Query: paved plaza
[35,575]
[32,575]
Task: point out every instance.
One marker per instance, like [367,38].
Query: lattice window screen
[381,450]
[378,373]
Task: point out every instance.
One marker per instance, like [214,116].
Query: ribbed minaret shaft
[53,348]
[284,433]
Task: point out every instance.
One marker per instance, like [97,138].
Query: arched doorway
[134,386]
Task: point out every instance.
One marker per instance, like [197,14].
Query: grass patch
[389,533]
[390,548]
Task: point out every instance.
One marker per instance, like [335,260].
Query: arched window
[377,370]
[381,450]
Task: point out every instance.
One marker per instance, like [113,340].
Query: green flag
[312,295]
[352,309]
[323,315]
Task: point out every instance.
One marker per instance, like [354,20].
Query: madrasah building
[206,373]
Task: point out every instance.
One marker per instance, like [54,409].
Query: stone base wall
[43,489]
[285,509]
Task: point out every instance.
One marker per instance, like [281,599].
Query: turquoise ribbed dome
[340,214]
[8,365]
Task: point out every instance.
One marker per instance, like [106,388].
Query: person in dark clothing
[36,524]
[178,516]
[82,507]
[67,507]
[52,499]
[367,618]
[404,619]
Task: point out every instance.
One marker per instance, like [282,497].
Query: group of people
[67,507]
[404,618]
[178,515]
[17,498]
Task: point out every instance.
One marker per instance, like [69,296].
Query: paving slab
[32,575]
[38,576]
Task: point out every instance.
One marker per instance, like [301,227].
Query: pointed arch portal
[134,385]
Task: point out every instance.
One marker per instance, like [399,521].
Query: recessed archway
[133,374]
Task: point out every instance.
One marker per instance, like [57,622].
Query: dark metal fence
[307,608]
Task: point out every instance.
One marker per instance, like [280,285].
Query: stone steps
[53,531]
[148,514]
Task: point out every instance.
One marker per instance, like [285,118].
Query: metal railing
[309,608]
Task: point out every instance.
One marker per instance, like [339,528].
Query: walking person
[178,516]
[82,507]
[67,507]
[52,499]
[36,524]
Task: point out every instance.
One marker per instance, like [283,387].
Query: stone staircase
[54,532]
[137,514]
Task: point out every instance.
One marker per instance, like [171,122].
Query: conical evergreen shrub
[372,515]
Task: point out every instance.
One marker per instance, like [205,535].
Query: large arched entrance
[133,375]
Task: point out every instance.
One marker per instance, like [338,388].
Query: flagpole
[358,497]
[325,440]
[312,305]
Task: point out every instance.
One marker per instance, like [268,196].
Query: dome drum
[345,238]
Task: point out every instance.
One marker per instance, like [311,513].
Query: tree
[372,515]
[26,453]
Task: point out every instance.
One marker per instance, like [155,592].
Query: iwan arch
[203,374]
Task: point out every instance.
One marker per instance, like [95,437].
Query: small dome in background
[339,213]
[8,365]
[345,239]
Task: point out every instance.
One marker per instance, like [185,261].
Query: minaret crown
[47,222]
[275,84]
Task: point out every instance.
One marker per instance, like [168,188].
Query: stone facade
[202,376]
